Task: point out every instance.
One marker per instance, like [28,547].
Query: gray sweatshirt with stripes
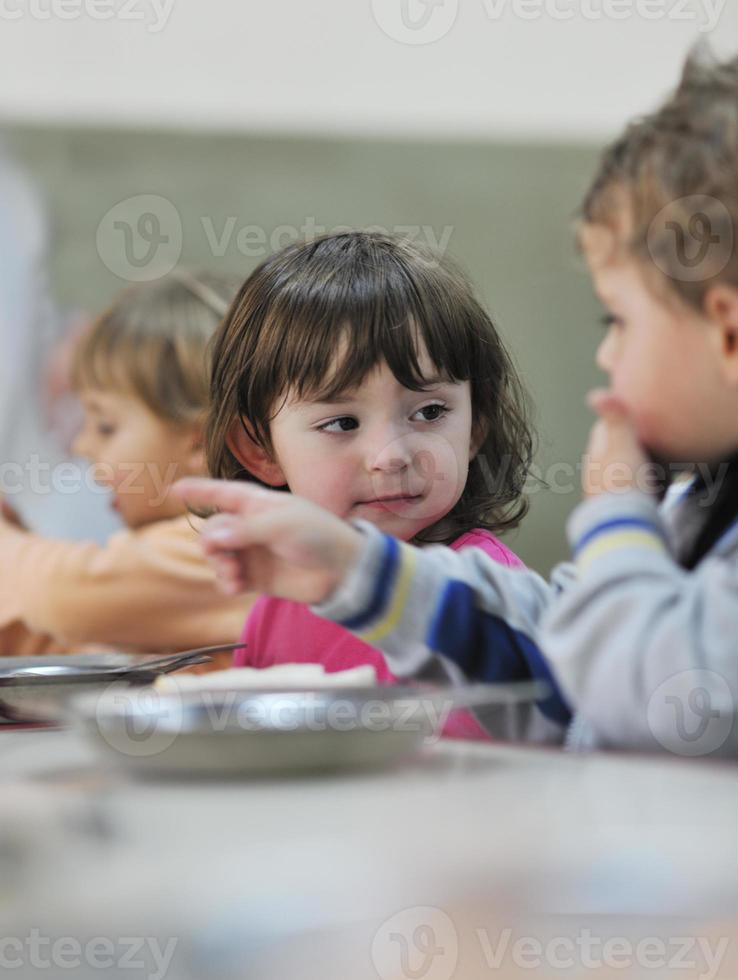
[635,651]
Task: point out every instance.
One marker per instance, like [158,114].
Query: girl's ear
[721,308]
[252,457]
[480,431]
[196,463]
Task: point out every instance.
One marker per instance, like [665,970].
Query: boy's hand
[270,541]
[615,461]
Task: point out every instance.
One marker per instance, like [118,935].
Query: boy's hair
[672,179]
[379,294]
[153,342]
[685,152]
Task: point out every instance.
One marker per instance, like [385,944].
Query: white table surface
[296,876]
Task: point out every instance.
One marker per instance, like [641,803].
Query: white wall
[327,66]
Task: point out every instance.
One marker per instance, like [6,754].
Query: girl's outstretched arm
[146,590]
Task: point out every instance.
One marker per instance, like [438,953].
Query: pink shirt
[279,631]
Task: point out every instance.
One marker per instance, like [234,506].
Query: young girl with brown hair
[359,371]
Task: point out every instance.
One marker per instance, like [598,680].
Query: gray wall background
[508,210]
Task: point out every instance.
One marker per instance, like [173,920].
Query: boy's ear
[721,308]
[252,457]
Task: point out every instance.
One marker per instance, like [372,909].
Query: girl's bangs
[328,352]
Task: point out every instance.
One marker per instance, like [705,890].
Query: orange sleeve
[149,589]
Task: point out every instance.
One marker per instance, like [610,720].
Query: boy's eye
[431,413]
[610,320]
[344,424]
[103,429]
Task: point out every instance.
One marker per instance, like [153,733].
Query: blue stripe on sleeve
[384,586]
[486,648]
[613,525]
[727,533]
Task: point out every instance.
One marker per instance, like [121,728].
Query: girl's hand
[270,541]
[10,515]
[615,461]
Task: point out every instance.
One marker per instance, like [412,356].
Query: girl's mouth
[390,502]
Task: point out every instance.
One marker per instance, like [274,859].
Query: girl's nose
[80,444]
[388,452]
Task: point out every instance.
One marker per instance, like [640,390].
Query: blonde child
[639,631]
[142,374]
[360,372]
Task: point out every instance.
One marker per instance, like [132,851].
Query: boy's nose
[603,357]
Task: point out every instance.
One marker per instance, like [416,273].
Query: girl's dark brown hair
[380,295]
[670,168]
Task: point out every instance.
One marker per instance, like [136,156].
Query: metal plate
[41,698]
[218,733]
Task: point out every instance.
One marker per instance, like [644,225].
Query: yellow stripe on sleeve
[399,600]
[617,541]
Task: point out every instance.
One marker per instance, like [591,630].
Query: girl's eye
[610,320]
[105,430]
[345,424]
[431,413]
